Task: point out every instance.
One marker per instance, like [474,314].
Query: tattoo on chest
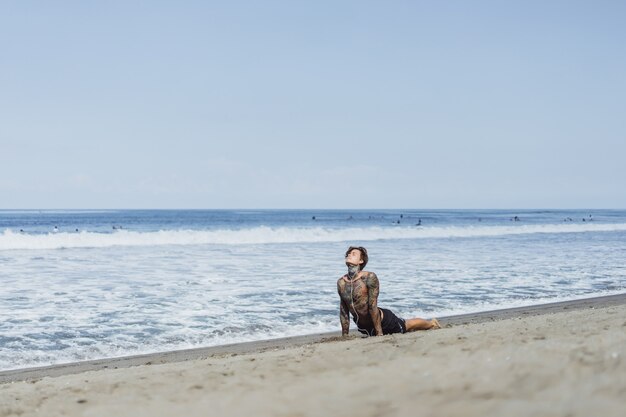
[354,292]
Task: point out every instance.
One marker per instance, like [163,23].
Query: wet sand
[563,359]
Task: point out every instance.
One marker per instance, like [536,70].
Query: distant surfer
[358,294]
[55,230]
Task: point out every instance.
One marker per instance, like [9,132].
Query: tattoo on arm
[344,314]
[372,291]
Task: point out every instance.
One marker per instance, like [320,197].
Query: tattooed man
[358,293]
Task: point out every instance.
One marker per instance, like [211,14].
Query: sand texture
[566,363]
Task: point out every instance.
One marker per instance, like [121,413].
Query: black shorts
[390,324]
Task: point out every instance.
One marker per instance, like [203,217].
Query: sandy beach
[565,359]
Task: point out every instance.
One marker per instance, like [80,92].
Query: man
[358,294]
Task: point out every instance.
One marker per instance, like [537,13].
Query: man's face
[354,257]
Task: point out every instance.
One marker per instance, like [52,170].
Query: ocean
[90,284]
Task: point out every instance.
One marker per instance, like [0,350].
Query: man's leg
[421,324]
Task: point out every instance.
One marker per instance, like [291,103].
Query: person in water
[358,294]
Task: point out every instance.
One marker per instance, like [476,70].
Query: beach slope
[570,362]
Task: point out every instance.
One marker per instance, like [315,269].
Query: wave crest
[10,240]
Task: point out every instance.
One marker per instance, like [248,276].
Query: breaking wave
[10,240]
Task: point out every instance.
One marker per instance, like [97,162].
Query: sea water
[79,285]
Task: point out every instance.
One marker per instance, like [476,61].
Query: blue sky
[320,104]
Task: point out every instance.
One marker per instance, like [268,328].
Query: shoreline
[35,373]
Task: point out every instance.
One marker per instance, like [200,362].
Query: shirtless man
[358,292]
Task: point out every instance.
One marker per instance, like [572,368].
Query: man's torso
[354,293]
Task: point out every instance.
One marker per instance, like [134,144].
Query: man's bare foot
[434,324]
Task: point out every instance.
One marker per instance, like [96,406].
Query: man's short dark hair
[364,256]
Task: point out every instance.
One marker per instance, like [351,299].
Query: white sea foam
[10,240]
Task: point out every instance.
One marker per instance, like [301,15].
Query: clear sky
[313,104]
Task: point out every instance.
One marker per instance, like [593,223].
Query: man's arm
[372,293]
[344,314]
